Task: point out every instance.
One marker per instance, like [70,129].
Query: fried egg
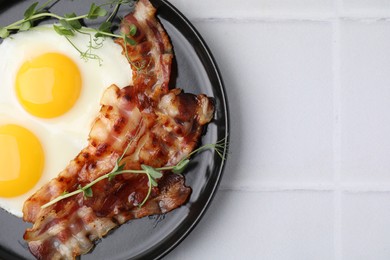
[49,97]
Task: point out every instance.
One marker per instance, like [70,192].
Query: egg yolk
[21,160]
[49,85]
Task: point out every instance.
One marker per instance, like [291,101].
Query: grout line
[336,66]
[273,189]
[279,188]
[337,131]
[291,18]
[266,18]
[367,18]
[333,187]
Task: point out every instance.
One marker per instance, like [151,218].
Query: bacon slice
[160,127]
[151,57]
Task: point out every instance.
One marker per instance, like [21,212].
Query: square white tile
[365,102]
[278,77]
[365,226]
[264,225]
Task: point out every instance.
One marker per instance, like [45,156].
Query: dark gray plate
[194,71]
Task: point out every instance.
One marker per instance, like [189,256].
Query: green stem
[130,171]
[149,179]
[59,198]
[113,13]
[16,24]
[87,29]
[76,17]
[89,185]
[114,172]
[166,168]
[149,191]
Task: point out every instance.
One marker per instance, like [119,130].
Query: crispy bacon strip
[151,57]
[68,228]
[159,126]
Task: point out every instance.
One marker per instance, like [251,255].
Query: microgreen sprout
[153,174]
[71,24]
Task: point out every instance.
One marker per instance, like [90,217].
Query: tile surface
[366,225]
[308,176]
[280,226]
[363,7]
[253,8]
[282,92]
[365,96]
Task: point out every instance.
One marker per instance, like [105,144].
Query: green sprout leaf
[66,25]
[153,182]
[96,11]
[88,192]
[153,173]
[3,32]
[74,23]
[105,27]
[30,11]
[129,40]
[133,30]
[25,26]
[181,166]
[63,31]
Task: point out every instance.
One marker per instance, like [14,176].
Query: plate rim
[160,252]
[221,85]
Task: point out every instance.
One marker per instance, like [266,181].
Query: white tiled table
[308,176]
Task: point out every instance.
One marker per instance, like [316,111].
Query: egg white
[62,137]
[59,148]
